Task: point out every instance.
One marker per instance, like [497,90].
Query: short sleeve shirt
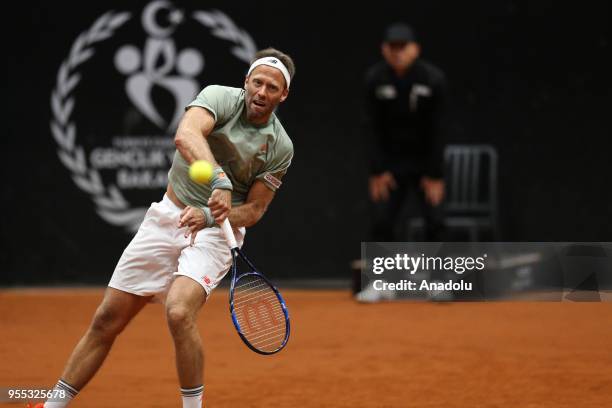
[247,152]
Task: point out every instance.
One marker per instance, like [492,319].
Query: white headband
[274,63]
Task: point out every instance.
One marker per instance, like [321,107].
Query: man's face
[265,89]
[400,55]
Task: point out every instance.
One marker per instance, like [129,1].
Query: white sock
[64,393]
[192,397]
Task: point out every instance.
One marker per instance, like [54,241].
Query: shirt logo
[417,91]
[386,92]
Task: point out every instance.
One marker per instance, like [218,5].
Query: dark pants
[389,219]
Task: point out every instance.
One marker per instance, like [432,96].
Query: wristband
[220,180]
[210,220]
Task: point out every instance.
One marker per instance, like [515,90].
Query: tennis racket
[257,308]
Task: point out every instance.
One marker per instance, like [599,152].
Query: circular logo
[125,142]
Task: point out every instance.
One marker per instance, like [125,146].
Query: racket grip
[229,234]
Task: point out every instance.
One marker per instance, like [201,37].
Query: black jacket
[406,120]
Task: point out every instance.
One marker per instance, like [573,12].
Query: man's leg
[385,215]
[111,317]
[434,221]
[183,303]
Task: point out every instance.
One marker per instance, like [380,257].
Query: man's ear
[284,95]
[416,49]
[246,80]
[384,48]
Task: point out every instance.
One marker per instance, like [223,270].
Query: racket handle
[229,234]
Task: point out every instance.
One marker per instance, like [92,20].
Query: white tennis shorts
[159,252]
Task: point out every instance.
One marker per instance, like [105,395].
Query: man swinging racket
[178,255]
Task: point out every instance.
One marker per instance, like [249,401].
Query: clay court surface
[341,354]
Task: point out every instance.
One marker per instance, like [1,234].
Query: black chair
[470,202]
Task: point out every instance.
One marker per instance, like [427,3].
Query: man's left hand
[434,190]
[194,219]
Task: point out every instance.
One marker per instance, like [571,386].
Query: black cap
[399,32]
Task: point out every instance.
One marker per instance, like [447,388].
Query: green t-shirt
[247,152]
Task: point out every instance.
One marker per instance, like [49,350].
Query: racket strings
[259,313]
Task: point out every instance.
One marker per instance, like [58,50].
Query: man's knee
[108,322]
[179,316]
[184,300]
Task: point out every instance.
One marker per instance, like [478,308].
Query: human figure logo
[152,66]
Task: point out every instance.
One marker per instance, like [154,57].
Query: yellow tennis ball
[201,171]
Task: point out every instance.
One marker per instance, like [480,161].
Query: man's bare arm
[190,140]
[257,202]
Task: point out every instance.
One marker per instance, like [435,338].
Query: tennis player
[179,254]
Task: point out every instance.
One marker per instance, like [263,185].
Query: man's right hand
[381,186]
[220,204]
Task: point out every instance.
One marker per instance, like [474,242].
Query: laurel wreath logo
[110,203]
[223,27]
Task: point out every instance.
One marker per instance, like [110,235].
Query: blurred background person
[405,125]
